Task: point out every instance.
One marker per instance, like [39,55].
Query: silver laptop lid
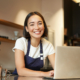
[67,62]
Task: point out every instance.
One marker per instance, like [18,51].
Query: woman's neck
[35,42]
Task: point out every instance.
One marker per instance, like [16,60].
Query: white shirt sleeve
[48,48]
[51,49]
[19,45]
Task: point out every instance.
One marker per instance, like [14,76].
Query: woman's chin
[37,37]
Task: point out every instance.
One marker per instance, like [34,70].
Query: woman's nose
[36,27]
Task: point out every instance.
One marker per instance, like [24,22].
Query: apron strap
[28,47]
[41,48]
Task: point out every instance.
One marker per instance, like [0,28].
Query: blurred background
[62,18]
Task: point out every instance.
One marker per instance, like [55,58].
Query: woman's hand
[49,73]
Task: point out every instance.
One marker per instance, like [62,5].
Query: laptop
[67,62]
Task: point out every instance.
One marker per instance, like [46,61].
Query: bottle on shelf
[70,43]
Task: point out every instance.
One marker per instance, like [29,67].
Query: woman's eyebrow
[39,21]
[31,22]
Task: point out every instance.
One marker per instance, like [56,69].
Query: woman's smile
[37,32]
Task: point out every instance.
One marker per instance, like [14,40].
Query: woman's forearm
[52,59]
[28,72]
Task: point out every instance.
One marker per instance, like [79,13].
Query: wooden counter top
[15,77]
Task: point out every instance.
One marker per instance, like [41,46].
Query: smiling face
[35,26]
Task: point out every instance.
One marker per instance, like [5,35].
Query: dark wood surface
[11,24]
[7,40]
[76,42]
[15,77]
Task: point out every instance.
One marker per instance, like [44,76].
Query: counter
[15,77]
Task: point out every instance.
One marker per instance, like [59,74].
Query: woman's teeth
[37,32]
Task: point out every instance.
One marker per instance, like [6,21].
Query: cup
[16,34]
[4,72]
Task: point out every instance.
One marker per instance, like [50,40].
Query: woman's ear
[26,28]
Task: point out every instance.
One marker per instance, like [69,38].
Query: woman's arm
[20,66]
[52,59]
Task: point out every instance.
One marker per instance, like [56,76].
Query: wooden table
[15,77]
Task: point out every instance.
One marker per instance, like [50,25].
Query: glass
[16,34]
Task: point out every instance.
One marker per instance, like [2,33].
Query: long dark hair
[25,33]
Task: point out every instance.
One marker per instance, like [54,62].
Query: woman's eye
[31,24]
[40,23]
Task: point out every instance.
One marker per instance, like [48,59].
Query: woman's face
[35,26]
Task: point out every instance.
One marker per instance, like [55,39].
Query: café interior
[62,18]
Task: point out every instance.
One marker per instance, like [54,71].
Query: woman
[32,49]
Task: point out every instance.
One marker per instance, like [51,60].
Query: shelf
[7,40]
[11,24]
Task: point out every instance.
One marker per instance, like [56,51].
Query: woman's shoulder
[47,47]
[46,42]
[21,39]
